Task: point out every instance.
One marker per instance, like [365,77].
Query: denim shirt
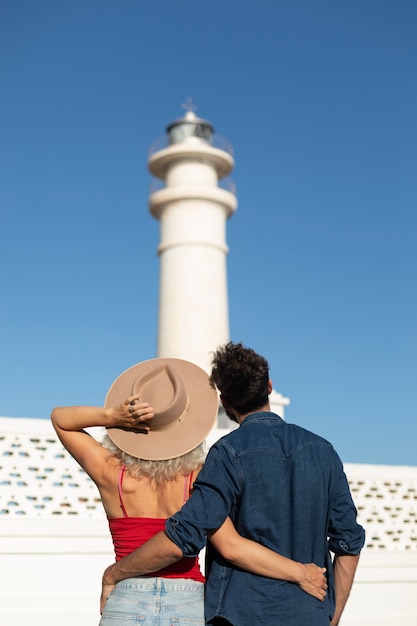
[284,487]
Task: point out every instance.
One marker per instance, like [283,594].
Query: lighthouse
[193,203]
[192,209]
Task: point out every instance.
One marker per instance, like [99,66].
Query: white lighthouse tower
[192,210]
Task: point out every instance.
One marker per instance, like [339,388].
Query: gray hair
[158,471]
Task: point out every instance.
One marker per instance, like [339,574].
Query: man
[282,486]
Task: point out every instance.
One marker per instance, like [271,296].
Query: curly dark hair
[241,375]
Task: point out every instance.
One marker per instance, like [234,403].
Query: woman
[144,470]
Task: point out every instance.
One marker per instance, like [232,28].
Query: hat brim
[183,435]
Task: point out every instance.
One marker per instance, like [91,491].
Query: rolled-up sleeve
[346,536]
[215,494]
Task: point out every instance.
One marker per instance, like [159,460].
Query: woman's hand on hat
[132,414]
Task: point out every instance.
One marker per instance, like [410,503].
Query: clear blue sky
[319,100]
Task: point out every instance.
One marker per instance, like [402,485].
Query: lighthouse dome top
[190,128]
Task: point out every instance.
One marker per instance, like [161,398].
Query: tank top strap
[121,475]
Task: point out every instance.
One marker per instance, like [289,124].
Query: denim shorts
[155,602]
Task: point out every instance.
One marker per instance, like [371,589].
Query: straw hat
[184,403]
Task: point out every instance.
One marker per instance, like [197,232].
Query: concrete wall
[50,576]
[385,590]
[51,570]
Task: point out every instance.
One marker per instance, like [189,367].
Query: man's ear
[225,403]
[269,387]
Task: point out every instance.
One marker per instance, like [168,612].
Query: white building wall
[54,540]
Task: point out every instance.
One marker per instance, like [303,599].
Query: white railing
[217,141]
[226,183]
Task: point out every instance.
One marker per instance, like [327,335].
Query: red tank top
[129,533]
